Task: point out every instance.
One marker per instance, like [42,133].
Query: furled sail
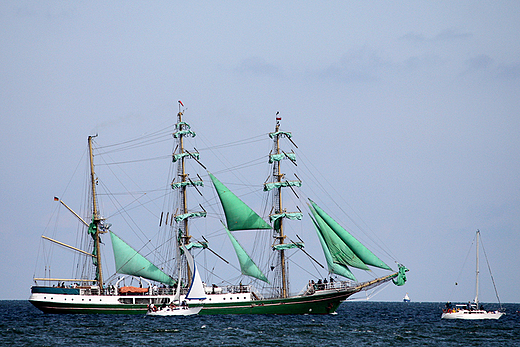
[239,216]
[290,215]
[129,262]
[337,269]
[278,157]
[181,217]
[185,154]
[340,252]
[176,185]
[247,265]
[359,249]
[272,185]
[284,246]
[401,276]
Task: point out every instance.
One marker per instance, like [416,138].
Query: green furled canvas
[184,133]
[278,157]
[129,262]
[273,185]
[401,276]
[273,135]
[181,217]
[285,246]
[357,247]
[176,185]
[239,216]
[247,265]
[185,154]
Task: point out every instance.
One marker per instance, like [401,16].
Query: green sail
[129,262]
[333,267]
[284,246]
[340,252]
[273,185]
[185,154]
[181,217]
[247,266]
[278,157]
[239,216]
[176,185]
[361,251]
[401,276]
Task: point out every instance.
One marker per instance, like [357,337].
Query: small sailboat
[406,298]
[195,293]
[471,310]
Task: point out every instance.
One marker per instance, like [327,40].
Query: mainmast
[95,218]
[279,212]
[183,176]
[181,216]
[278,175]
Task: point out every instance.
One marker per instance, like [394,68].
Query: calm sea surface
[356,324]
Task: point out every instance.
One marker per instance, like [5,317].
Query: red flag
[56,198]
[180,102]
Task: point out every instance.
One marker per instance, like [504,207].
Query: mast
[277,172]
[183,176]
[182,215]
[95,217]
[477,270]
[185,238]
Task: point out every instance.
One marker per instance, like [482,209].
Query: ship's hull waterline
[319,303]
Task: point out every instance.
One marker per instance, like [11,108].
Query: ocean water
[357,323]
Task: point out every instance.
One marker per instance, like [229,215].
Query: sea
[357,323]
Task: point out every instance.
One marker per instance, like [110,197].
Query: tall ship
[202,216]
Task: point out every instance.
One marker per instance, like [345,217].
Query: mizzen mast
[94,227]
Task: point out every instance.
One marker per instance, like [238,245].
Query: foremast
[94,228]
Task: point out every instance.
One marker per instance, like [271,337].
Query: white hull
[472,314]
[177,311]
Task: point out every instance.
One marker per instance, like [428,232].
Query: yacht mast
[477,271]
[95,217]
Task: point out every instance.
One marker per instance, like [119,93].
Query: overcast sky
[412,108]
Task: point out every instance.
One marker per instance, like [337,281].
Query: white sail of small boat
[471,310]
[406,298]
[195,293]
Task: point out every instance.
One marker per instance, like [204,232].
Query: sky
[411,108]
